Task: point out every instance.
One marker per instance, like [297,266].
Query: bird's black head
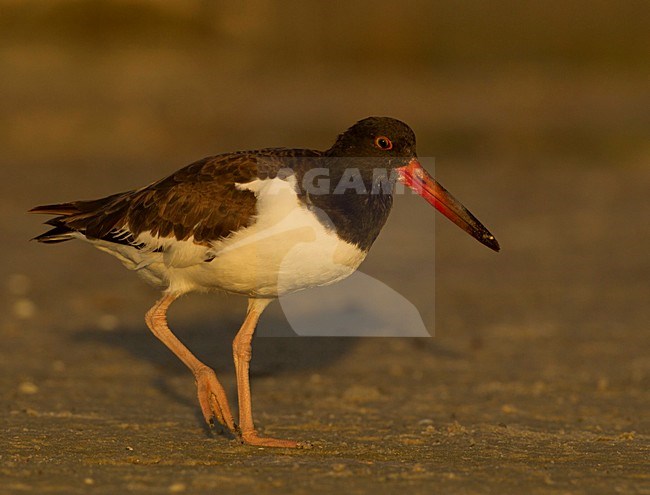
[376,137]
[378,142]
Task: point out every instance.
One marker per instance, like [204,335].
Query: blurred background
[158,81]
[536,114]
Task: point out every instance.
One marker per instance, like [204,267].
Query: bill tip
[490,241]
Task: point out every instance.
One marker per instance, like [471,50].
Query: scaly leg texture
[242,353]
[212,397]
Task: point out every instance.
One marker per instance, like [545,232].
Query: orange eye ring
[383,143]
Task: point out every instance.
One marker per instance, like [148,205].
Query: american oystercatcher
[261,224]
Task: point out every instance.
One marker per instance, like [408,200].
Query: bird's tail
[60,232]
[71,218]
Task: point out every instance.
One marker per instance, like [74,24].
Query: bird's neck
[354,198]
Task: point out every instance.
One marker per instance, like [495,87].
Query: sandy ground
[537,379]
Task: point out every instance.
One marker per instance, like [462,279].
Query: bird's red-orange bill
[418,179]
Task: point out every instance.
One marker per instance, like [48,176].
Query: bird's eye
[383,143]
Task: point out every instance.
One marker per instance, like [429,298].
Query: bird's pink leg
[212,397]
[242,352]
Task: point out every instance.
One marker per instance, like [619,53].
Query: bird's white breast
[287,248]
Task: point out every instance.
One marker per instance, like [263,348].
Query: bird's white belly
[286,249]
[290,258]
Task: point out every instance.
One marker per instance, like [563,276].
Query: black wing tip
[64,209]
[59,233]
[50,240]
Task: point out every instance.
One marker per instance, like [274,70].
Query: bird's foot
[254,439]
[213,400]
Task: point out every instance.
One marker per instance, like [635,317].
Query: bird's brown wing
[199,201]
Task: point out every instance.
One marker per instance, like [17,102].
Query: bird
[260,224]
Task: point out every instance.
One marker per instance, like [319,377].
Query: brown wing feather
[199,201]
